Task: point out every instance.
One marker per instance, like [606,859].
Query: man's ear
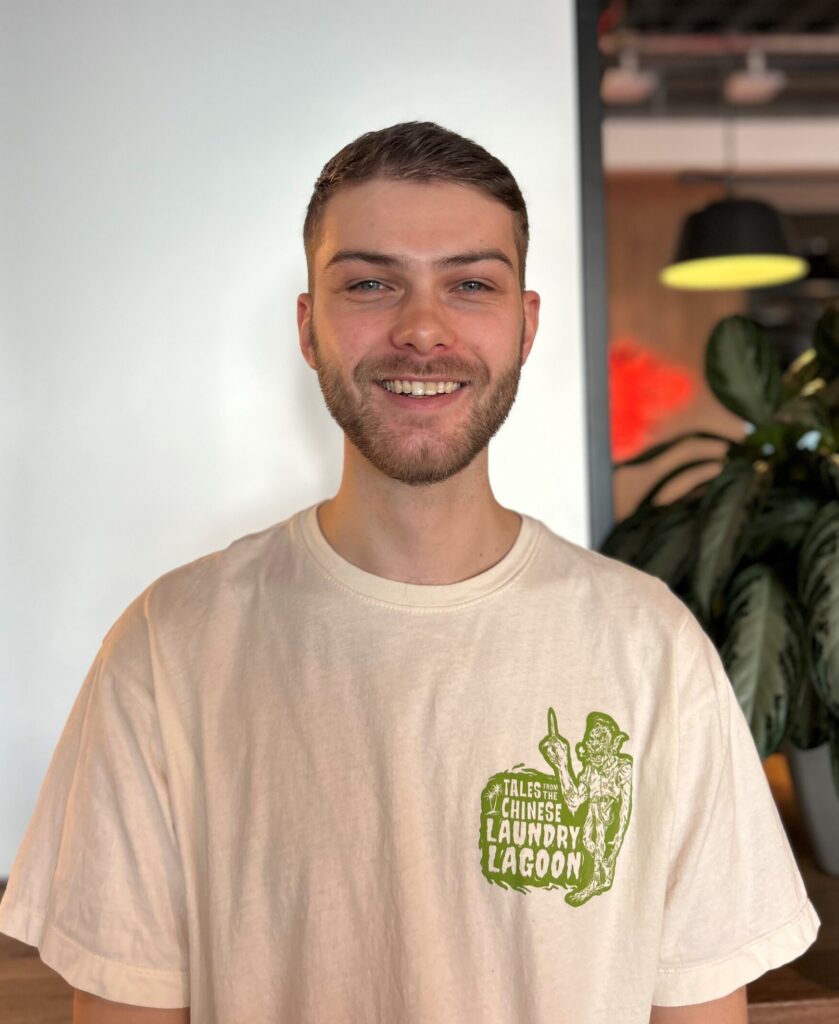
[530,304]
[305,304]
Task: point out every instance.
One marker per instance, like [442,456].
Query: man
[285,793]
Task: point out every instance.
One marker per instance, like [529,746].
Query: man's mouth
[422,388]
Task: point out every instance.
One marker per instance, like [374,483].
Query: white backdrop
[156,163]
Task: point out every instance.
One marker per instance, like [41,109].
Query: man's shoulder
[183,597]
[238,562]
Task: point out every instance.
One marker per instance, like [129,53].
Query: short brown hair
[417,151]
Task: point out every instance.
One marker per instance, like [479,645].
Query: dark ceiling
[693,45]
[719,16]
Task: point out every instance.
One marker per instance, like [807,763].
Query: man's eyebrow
[462,259]
[381,259]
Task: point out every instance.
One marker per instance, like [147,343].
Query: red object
[643,390]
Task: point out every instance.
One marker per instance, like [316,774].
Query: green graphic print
[562,830]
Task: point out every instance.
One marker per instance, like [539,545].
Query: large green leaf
[732,499]
[808,719]
[658,539]
[743,370]
[665,446]
[670,550]
[819,592]
[762,652]
[827,341]
[784,518]
[629,537]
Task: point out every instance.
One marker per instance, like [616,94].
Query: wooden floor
[804,992]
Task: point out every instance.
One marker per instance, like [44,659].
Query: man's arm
[731,1009]
[90,1009]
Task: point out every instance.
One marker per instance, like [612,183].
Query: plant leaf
[659,485]
[628,538]
[762,652]
[665,446]
[800,372]
[726,509]
[658,539]
[808,721]
[826,341]
[819,592]
[783,520]
[743,370]
[804,411]
[670,549]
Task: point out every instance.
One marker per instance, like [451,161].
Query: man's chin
[421,474]
[418,468]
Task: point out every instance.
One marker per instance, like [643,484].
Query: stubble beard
[426,458]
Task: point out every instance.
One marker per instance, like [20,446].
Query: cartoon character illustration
[605,781]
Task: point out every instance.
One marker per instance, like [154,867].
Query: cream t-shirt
[292,791]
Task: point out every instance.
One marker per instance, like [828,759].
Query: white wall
[157,159]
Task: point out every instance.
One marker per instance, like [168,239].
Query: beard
[422,457]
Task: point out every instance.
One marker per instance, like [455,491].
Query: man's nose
[422,325]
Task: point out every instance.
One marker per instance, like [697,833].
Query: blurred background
[701,100]
[720,138]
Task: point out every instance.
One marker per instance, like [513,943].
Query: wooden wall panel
[644,213]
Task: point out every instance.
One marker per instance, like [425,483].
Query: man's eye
[364,286]
[474,286]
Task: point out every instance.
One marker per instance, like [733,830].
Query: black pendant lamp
[733,243]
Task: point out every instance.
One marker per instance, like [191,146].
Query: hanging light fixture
[734,242]
[755,85]
[628,84]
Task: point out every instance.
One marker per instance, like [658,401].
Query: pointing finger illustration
[552,726]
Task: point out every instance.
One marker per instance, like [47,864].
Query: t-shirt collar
[414,595]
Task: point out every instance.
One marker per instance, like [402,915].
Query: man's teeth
[420,388]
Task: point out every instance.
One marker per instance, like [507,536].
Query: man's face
[417,283]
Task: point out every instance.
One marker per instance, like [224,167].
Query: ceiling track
[652,44]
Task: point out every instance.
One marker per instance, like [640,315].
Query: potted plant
[754,551]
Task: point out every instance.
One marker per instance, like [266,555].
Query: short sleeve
[735,906]
[97,885]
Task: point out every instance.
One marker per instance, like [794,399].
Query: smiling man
[309,778]
[418,326]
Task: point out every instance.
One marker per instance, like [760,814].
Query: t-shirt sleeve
[97,885]
[735,905]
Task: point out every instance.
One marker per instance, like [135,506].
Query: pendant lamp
[733,243]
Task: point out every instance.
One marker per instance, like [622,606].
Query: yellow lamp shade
[759,270]
[733,243]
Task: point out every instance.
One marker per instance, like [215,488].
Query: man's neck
[437,534]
